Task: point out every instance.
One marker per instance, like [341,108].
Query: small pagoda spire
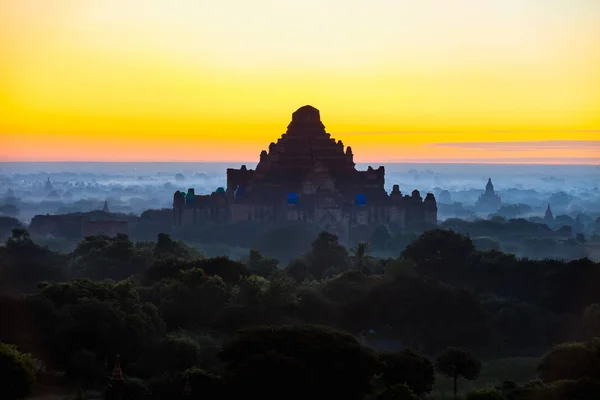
[489,187]
[49,186]
[117,374]
[114,391]
[548,215]
[105,208]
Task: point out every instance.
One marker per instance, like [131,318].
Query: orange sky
[193,80]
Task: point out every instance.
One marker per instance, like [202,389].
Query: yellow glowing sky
[403,80]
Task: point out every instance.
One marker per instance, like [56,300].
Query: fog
[135,187]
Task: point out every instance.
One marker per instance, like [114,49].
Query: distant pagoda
[548,216]
[488,201]
[116,384]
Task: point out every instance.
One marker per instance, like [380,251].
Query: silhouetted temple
[306,175]
[489,200]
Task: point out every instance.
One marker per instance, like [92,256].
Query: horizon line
[441,162]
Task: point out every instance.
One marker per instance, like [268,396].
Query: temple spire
[105,208]
[117,374]
[548,216]
[490,186]
[114,391]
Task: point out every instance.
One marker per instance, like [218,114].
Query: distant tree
[260,265]
[17,372]
[591,320]
[570,361]
[348,287]
[167,247]
[439,252]
[380,238]
[411,368]
[175,353]
[399,268]
[327,256]
[298,362]
[231,271]
[203,385]
[456,363]
[361,256]
[299,270]
[486,394]
[398,392]
[581,389]
[83,368]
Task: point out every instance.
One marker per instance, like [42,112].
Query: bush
[17,371]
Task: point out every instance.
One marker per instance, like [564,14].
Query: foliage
[439,251]
[17,372]
[457,363]
[327,256]
[411,368]
[570,361]
[298,361]
[398,392]
[486,394]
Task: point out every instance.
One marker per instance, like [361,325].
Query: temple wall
[187,216]
[239,212]
[292,213]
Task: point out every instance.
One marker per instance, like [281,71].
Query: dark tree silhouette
[439,252]
[17,372]
[299,362]
[457,363]
[411,368]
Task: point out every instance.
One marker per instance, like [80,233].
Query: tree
[298,362]
[173,354]
[167,247]
[411,368]
[299,270]
[457,363]
[399,268]
[398,392]
[486,394]
[380,238]
[261,265]
[203,385]
[361,256]
[439,252]
[231,271]
[591,320]
[570,361]
[327,256]
[17,372]
[83,368]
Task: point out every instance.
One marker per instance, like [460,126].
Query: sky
[501,81]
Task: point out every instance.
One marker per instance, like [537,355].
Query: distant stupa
[548,216]
[489,200]
[48,186]
[106,209]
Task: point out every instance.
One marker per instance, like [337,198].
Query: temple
[307,176]
[488,201]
